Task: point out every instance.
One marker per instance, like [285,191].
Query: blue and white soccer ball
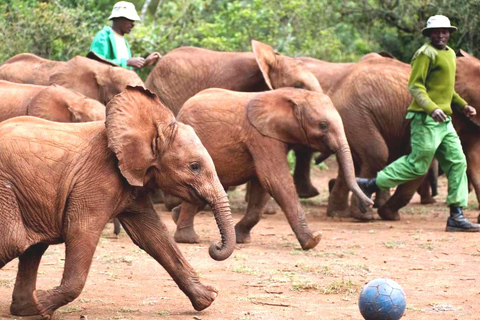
[382,299]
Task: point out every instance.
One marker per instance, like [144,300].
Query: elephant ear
[137,131]
[79,74]
[277,115]
[266,59]
[50,104]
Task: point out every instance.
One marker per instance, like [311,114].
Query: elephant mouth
[199,199]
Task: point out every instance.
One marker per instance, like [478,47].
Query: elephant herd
[202,122]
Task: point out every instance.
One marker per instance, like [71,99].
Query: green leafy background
[323,29]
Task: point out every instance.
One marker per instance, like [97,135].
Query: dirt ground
[272,278]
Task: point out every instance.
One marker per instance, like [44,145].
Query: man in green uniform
[432,84]
[110,43]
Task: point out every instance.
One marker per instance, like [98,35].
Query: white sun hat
[438,22]
[124,9]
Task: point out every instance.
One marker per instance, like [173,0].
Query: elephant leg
[79,249]
[156,196]
[150,233]
[424,191]
[185,232]
[381,197]
[13,235]
[116,226]
[402,196]
[338,198]
[301,176]
[280,185]
[473,168]
[433,174]
[258,198]
[170,201]
[25,284]
[371,161]
[269,208]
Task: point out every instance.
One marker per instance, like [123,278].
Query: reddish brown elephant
[53,103]
[63,182]
[248,136]
[91,78]
[185,71]
[372,99]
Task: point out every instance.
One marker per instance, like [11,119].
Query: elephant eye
[323,125]
[298,85]
[195,166]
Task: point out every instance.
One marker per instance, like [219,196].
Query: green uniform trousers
[430,139]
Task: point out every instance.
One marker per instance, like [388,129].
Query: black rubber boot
[458,223]
[368,186]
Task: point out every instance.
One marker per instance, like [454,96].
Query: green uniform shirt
[104,45]
[432,81]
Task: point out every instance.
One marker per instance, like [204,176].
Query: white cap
[438,22]
[124,9]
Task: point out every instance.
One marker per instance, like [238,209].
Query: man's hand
[136,62]
[438,115]
[469,111]
[152,58]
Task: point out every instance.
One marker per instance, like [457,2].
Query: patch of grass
[304,286]
[163,313]
[341,287]
[6,283]
[128,310]
[110,274]
[428,246]
[394,244]
[69,309]
[245,270]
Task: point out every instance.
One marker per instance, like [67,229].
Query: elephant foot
[427,200]
[23,307]
[176,213]
[204,297]
[388,214]
[364,217]
[306,190]
[43,303]
[338,213]
[186,235]
[312,242]
[242,235]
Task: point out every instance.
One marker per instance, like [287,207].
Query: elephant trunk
[223,216]
[345,161]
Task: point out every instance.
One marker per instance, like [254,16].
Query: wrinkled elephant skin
[63,182]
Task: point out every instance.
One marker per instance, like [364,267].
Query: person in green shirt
[431,84]
[110,44]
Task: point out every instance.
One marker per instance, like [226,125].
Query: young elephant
[53,103]
[248,136]
[94,79]
[63,183]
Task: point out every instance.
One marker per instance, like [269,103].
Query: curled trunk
[223,216]
[344,157]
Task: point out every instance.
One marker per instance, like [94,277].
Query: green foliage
[329,30]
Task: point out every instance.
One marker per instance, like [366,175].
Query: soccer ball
[382,299]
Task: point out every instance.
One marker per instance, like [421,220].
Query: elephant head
[296,116]
[59,104]
[280,71]
[155,151]
[94,79]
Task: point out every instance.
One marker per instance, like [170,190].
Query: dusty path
[271,278]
